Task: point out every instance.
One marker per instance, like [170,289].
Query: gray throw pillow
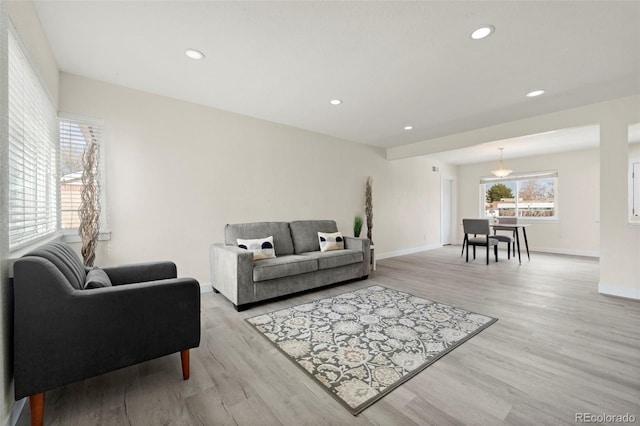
[97,278]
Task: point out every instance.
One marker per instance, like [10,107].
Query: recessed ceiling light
[535,93]
[482,32]
[194,54]
[335,102]
[408,127]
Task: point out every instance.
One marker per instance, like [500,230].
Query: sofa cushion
[284,266]
[282,242]
[97,278]
[335,258]
[262,248]
[65,259]
[305,233]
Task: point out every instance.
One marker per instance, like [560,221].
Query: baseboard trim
[407,251]
[627,293]
[585,253]
[18,406]
[206,288]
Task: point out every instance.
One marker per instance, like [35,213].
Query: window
[634,173]
[634,189]
[530,195]
[75,135]
[33,192]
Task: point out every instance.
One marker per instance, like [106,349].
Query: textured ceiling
[392,63]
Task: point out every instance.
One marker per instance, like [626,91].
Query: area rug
[363,344]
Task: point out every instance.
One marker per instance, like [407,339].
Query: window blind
[33,135]
[75,135]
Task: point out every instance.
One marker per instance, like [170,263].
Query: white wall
[177,172]
[620,240]
[577,231]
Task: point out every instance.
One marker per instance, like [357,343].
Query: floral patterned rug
[363,344]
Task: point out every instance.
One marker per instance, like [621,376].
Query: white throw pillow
[330,241]
[262,248]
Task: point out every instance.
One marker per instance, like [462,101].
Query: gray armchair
[64,332]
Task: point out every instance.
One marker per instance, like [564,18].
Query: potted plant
[358,221]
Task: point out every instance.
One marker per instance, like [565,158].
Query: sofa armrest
[141,272]
[355,243]
[361,244]
[232,273]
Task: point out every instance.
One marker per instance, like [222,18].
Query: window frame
[71,233]
[519,178]
[634,217]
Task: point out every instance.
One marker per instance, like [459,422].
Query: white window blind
[33,135]
[75,135]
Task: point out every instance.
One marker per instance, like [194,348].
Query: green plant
[358,221]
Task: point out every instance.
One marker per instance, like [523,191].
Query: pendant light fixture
[501,171]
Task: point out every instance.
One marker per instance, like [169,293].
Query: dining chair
[509,239]
[481,236]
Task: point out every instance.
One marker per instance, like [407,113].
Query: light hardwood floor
[559,348]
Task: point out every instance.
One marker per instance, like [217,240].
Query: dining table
[514,227]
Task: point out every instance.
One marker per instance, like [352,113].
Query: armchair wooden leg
[184,357]
[36,404]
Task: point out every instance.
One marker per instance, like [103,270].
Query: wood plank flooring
[559,348]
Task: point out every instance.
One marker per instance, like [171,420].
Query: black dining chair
[481,236]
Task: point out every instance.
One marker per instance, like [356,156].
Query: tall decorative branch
[89,210]
[368,206]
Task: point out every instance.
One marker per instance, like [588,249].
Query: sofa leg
[36,403]
[364,277]
[240,308]
[184,357]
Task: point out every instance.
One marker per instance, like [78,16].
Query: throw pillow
[97,278]
[330,241]
[262,248]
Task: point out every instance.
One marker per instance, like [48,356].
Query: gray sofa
[299,264]
[66,331]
